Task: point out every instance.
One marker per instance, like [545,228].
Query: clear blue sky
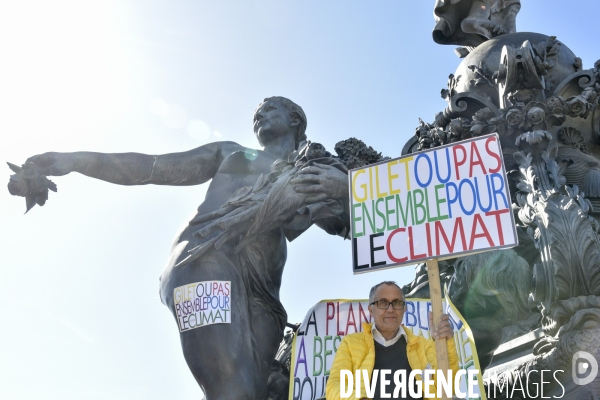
[81,317]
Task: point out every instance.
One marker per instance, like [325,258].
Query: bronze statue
[228,360]
[532,90]
[471,22]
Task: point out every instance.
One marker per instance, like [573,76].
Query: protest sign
[439,203]
[325,325]
[202,303]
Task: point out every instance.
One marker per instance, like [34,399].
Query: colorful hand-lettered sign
[202,303]
[439,203]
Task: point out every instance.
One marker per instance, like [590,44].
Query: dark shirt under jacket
[393,358]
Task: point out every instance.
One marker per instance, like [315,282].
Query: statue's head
[472,22]
[270,109]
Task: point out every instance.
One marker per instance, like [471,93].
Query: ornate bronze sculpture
[472,22]
[277,192]
[531,89]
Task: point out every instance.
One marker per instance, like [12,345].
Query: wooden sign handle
[435,291]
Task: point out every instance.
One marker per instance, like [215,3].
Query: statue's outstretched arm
[191,167]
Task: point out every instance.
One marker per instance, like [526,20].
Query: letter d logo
[582,361]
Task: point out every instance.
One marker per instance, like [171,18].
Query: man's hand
[443,330]
[321,182]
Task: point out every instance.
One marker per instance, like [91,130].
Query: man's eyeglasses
[384,304]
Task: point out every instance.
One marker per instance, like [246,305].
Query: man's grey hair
[374,288]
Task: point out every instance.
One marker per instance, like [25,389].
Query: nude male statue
[229,361]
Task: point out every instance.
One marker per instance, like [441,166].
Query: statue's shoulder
[225,147]
[240,159]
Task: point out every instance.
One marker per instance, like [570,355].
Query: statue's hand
[30,180]
[320,182]
[52,163]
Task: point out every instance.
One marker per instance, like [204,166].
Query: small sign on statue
[202,303]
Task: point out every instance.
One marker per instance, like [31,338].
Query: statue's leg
[220,356]
[267,334]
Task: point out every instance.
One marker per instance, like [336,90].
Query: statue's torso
[238,169]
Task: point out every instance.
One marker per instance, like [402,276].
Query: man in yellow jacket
[386,345]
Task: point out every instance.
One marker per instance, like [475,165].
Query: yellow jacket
[357,351]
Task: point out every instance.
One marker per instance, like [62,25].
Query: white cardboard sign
[439,203]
